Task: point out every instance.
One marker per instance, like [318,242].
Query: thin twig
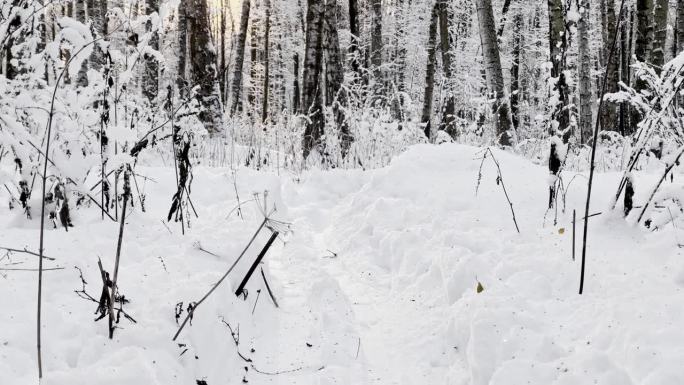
[26,252]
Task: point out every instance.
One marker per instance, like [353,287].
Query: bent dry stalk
[218,283]
[112,298]
[597,127]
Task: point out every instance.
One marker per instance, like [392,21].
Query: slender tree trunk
[400,54]
[644,36]
[295,85]
[236,87]
[504,16]
[449,103]
[518,48]
[150,81]
[430,73]
[659,34]
[354,54]
[376,44]
[495,80]
[267,32]
[625,62]
[336,94]
[558,44]
[254,59]
[222,49]
[609,116]
[679,30]
[584,56]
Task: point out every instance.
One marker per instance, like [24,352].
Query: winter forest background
[360,139]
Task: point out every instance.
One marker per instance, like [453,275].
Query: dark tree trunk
[150,81]
[515,69]
[354,54]
[449,103]
[336,95]
[430,73]
[267,32]
[198,63]
[312,103]
[376,44]
[236,86]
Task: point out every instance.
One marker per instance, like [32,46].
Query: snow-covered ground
[395,304]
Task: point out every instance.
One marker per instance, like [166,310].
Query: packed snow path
[376,285]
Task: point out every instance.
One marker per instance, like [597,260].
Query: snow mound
[376,283]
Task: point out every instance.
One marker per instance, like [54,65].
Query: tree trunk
[449,103]
[376,44]
[199,62]
[400,53]
[518,48]
[235,100]
[150,81]
[609,111]
[312,105]
[222,49]
[644,34]
[625,62]
[354,54]
[430,73]
[295,85]
[335,93]
[584,56]
[659,34]
[495,80]
[80,13]
[558,44]
[679,30]
[267,32]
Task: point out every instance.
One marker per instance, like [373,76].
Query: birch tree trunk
[492,60]
[235,99]
[560,113]
[584,56]
[430,73]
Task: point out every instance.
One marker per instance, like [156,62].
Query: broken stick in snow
[256,263]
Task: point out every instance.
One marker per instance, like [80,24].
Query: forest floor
[376,283]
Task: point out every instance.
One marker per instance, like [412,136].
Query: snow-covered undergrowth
[376,284]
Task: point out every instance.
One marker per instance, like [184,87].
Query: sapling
[593,152]
[126,197]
